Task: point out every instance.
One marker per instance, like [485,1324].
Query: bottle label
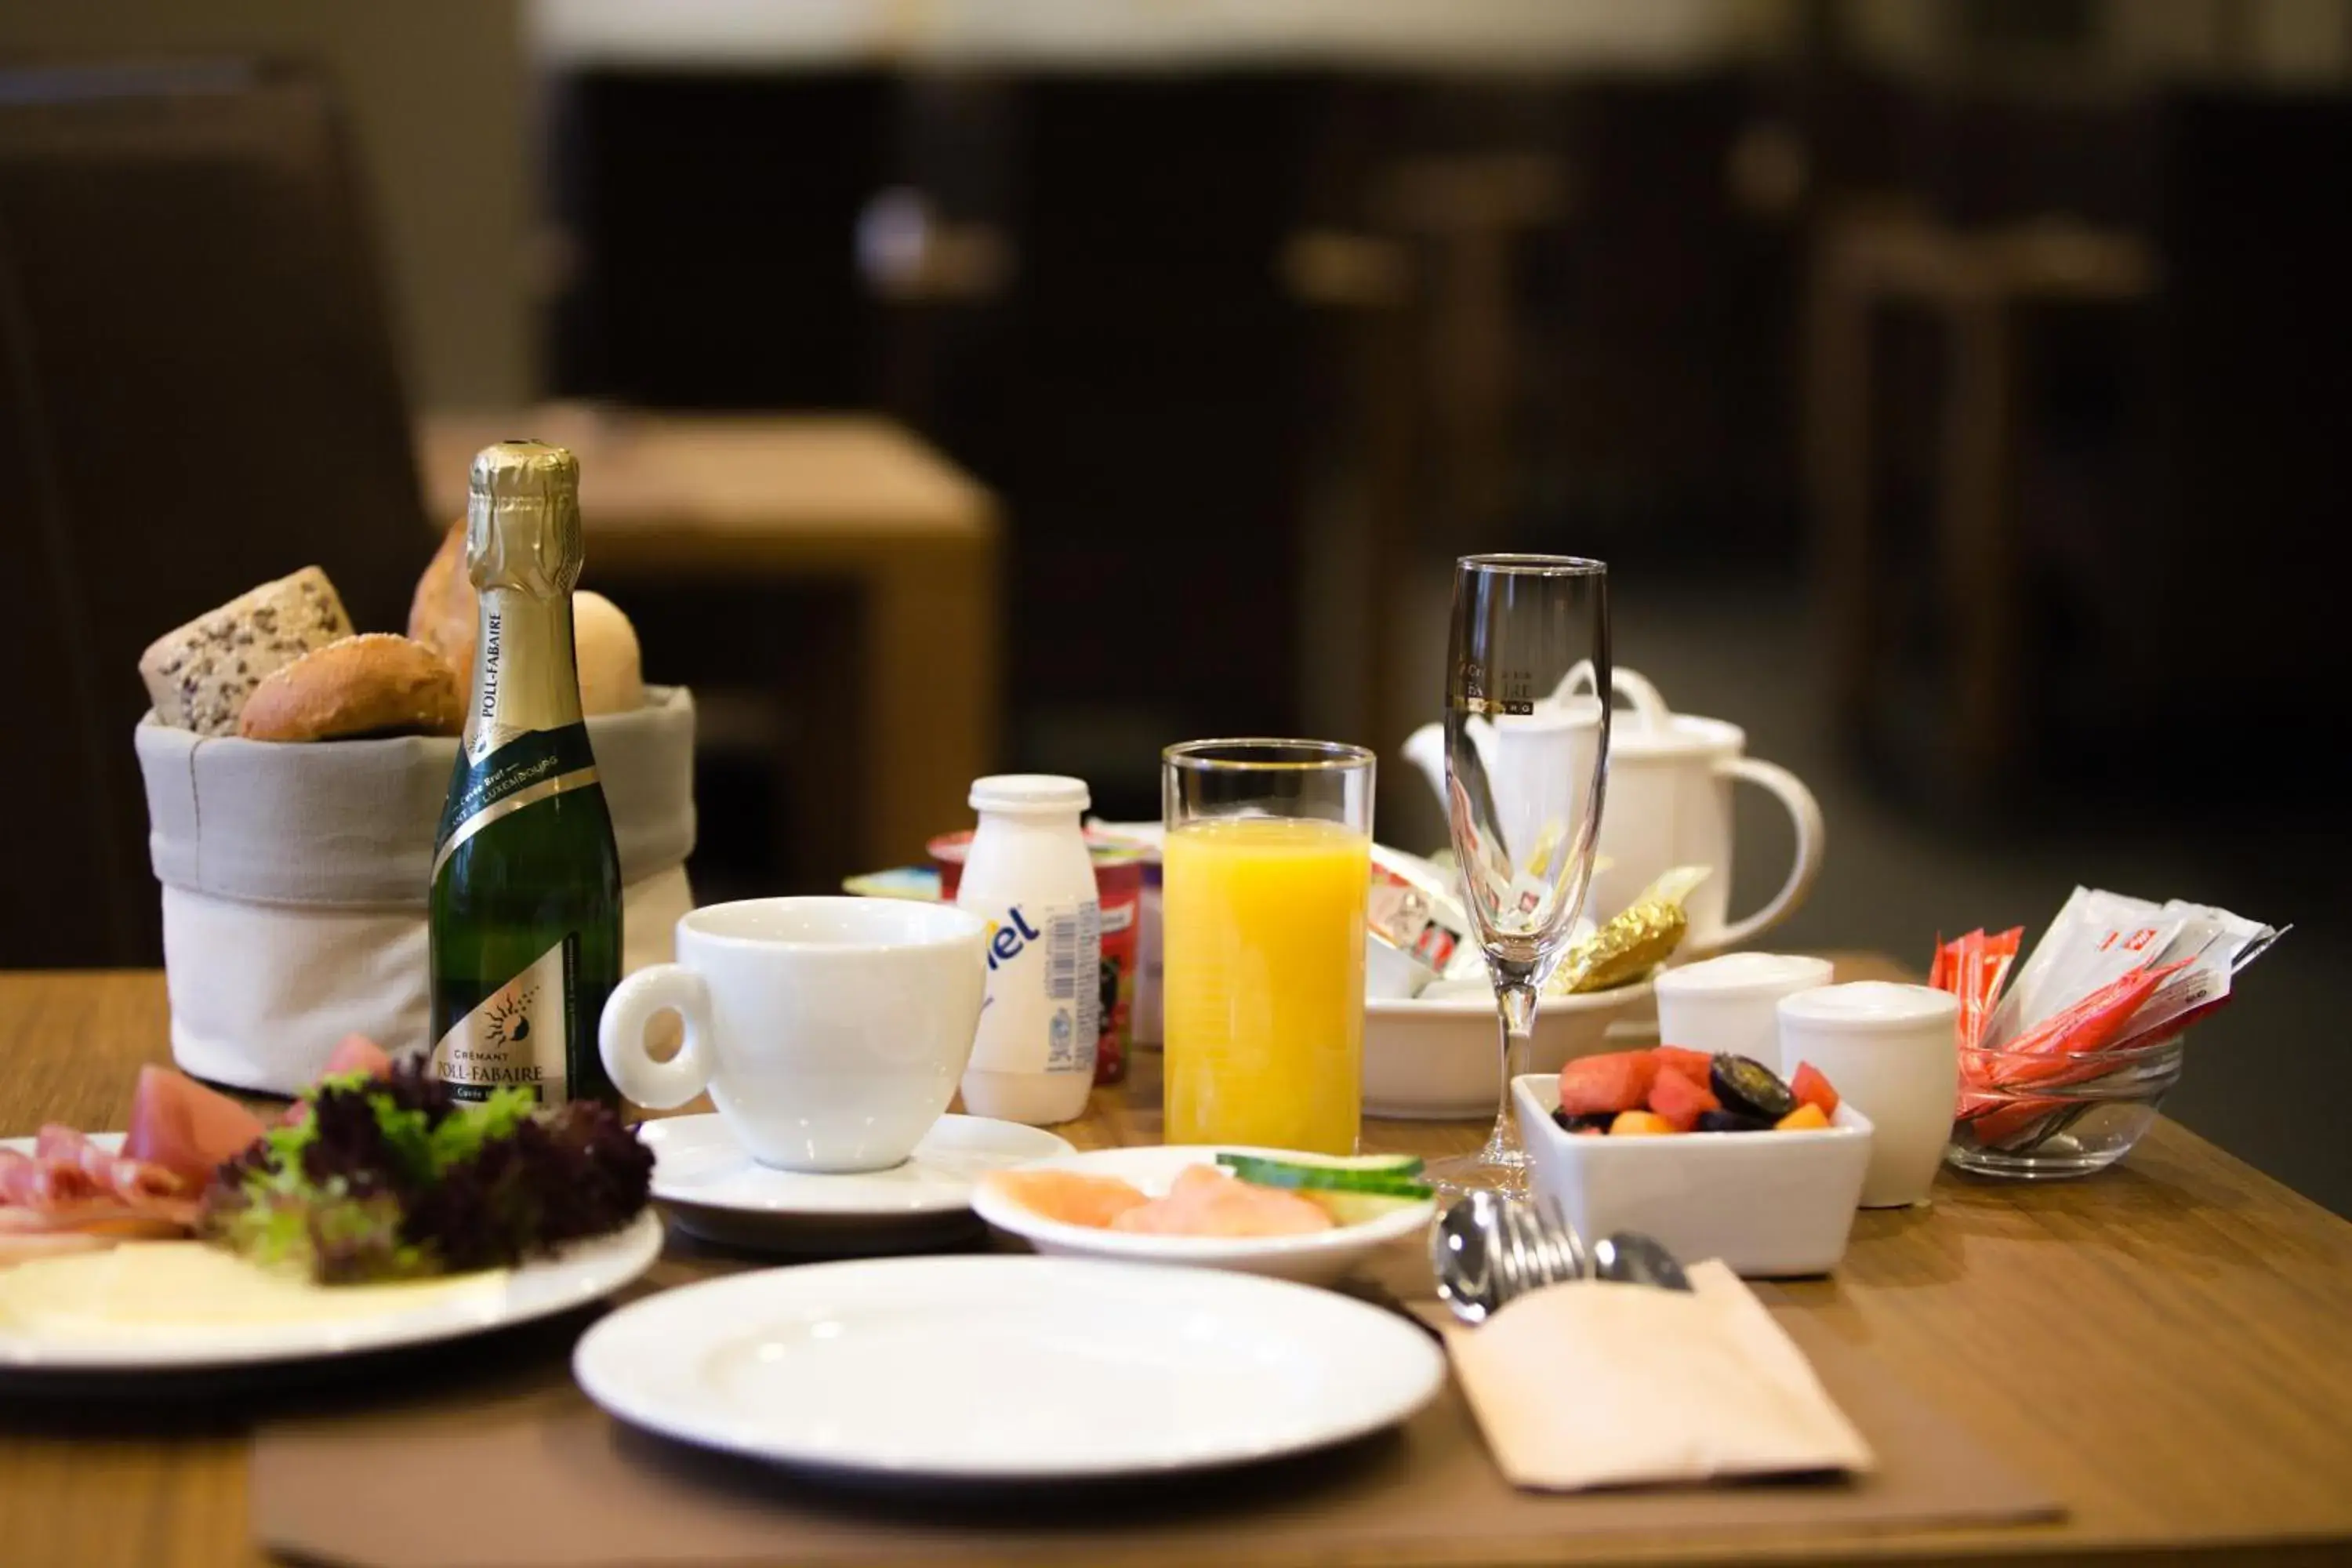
[1043,1011]
[519,1034]
[536,765]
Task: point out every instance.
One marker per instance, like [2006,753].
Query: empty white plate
[1006,1369]
[714,1189]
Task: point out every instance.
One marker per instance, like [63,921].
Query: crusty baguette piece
[445,616]
[200,675]
[376,684]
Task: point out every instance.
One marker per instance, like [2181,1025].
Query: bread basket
[295,881]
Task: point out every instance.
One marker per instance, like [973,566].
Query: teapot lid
[1646,727]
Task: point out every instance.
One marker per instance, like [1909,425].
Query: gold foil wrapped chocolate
[1638,939]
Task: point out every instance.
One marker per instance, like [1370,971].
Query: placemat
[519,1470]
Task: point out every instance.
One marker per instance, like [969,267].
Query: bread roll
[378,684]
[444,615]
[612,675]
[199,676]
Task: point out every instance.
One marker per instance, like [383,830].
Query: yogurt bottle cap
[1029,794]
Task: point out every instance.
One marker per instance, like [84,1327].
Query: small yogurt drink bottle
[1029,875]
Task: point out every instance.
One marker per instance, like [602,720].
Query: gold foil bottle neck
[522,520]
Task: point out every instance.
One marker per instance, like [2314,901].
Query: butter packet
[1412,910]
[1635,941]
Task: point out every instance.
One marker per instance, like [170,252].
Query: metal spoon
[1486,1249]
[1631,1258]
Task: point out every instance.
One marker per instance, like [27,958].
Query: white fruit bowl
[1317,1258]
[1768,1204]
[1439,1059]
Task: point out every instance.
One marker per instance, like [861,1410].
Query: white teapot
[1668,803]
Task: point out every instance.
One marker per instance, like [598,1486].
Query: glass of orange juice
[1264,879]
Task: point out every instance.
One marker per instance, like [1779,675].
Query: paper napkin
[1599,1384]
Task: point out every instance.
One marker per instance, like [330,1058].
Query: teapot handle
[1805,812]
[1631,684]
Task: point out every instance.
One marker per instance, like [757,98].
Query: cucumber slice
[1386,1175]
[1357,1208]
[1400,1166]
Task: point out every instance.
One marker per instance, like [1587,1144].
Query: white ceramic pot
[1732,1002]
[1894,1051]
[1669,804]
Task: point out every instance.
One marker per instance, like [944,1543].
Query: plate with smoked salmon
[1276,1212]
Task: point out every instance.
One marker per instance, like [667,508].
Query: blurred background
[1957,388]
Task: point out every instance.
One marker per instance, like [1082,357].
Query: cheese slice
[144,1288]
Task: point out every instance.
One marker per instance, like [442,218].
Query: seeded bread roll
[378,684]
[200,675]
[444,616]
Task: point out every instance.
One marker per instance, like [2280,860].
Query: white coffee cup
[830,1032]
[1732,1002]
[1669,801]
[1894,1051]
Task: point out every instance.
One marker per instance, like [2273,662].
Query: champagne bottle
[526,922]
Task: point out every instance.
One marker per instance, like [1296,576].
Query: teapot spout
[1425,750]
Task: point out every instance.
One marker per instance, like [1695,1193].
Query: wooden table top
[654,484]
[2167,1343]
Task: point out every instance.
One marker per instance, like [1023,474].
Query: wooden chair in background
[198,391]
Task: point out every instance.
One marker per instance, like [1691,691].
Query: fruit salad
[1667,1089]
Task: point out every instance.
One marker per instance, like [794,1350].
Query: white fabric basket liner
[295,881]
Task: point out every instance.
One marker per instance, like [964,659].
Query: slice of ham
[184,1127]
[27,1180]
[123,1174]
[71,1194]
[357,1053]
[101,1216]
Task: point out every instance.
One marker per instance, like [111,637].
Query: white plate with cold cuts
[177,1306]
[714,1190]
[1006,1369]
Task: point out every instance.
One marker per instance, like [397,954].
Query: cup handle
[1806,813]
[621,1037]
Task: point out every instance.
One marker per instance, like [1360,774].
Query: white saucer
[714,1190]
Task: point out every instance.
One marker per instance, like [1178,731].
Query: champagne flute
[1524,769]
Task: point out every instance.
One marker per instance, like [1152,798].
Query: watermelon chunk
[1619,1081]
[1680,1101]
[1692,1064]
[1811,1089]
